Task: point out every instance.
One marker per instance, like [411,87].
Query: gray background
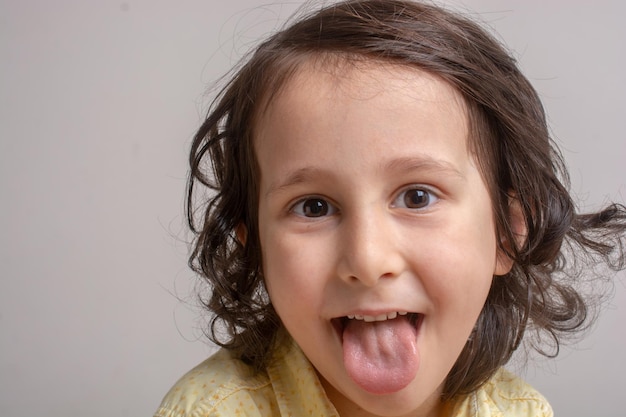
[98,101]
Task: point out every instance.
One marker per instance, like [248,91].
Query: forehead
[358,77]
[372,115]
[335,77]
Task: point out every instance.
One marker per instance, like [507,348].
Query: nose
[370,248]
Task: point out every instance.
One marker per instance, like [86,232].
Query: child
[387,218]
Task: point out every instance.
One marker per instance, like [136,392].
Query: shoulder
[503,395]
[513,397]
[222,385]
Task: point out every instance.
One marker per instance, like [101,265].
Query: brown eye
[313,207]
[415,198]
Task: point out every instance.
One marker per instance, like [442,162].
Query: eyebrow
[298,176]
[423,163]
[404,164]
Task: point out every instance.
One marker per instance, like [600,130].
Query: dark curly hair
[508,137]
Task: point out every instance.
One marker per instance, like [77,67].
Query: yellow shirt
[223,386]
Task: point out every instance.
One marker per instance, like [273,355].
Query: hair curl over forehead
[508,137]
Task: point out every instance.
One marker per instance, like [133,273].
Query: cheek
[462,268]
[292,272]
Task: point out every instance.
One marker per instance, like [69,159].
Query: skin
[370,202]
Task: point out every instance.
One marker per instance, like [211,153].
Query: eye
[415,198]
[313,207]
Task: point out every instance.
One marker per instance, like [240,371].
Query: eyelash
[323,207]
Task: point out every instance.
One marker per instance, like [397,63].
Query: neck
[432,407]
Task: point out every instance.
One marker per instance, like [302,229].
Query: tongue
[381,357]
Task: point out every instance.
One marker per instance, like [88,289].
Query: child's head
[370,204]
[374,143]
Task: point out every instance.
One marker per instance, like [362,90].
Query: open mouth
[380,352]
[340,323]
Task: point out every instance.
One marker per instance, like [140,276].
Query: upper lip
[340,322]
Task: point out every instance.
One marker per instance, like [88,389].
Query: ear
[241,231]
[516,220]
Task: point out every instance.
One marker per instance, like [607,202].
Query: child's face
[370,205]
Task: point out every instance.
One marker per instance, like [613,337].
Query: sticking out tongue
[381,356]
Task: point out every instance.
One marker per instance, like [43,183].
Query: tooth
[381,317]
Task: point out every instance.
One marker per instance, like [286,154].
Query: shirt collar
[296,385]
[299,391]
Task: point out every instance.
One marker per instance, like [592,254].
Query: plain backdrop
[98,102]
